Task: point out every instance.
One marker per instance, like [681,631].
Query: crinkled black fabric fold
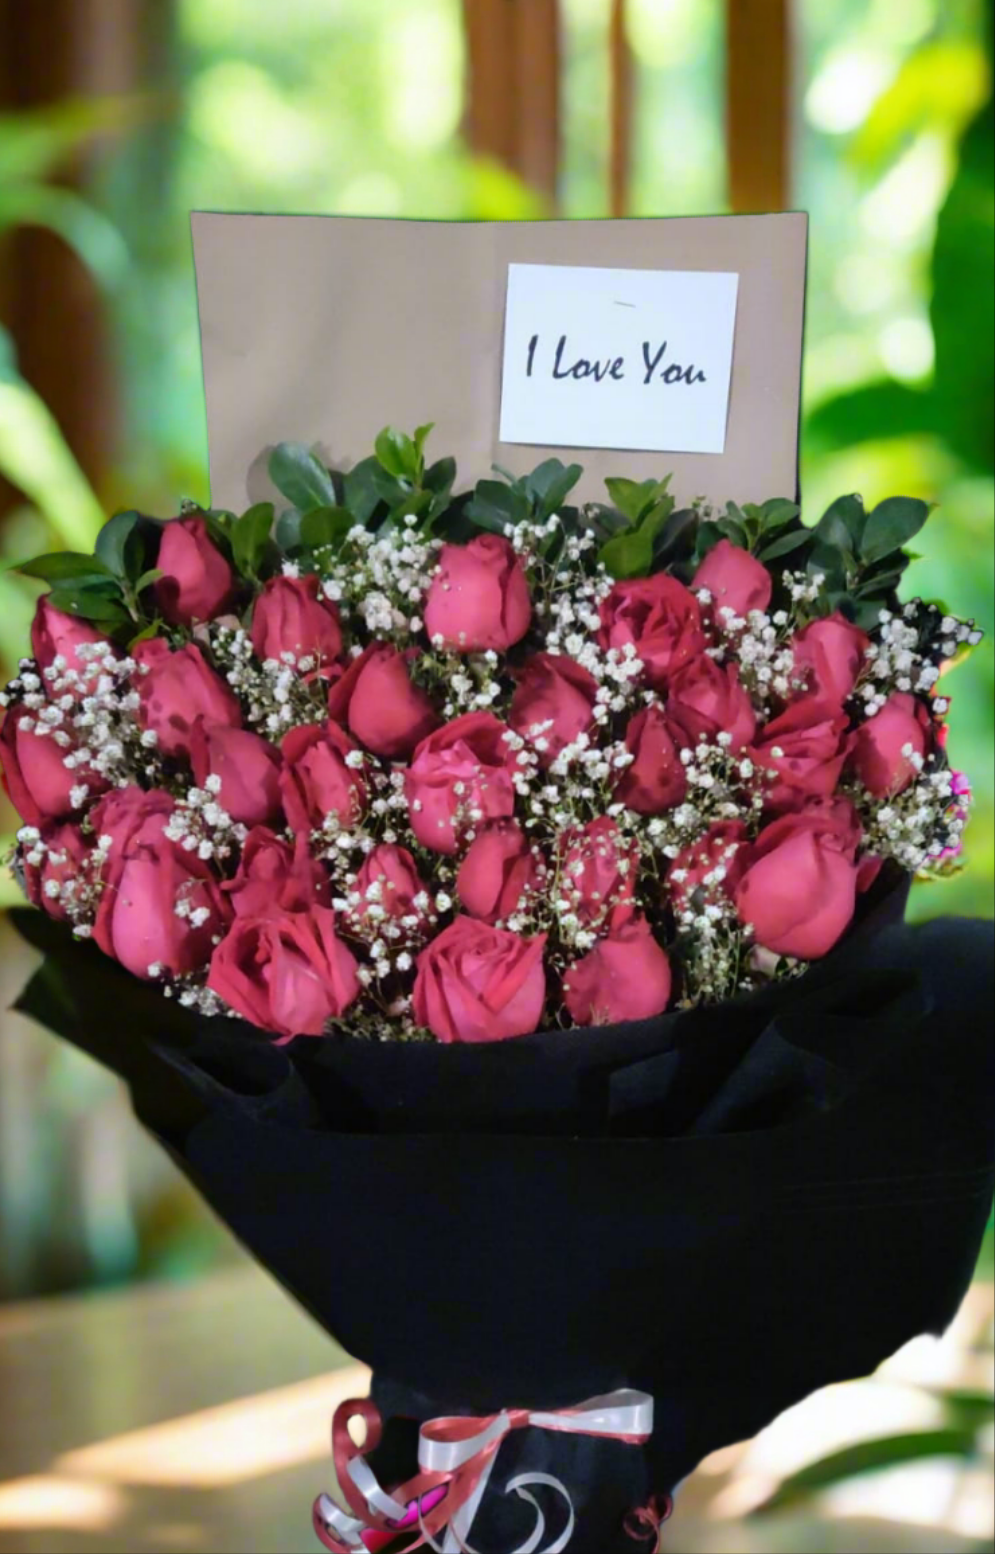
[727,1207]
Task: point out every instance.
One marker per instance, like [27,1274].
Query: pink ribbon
[456,1455]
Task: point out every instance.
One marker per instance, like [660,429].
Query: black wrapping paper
[726,1208]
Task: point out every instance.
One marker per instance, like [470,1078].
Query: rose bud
[553,703]
[736,580]
[889,749]
[51,883]
[830,654]
[389,886]
[798,889]
[659,617]
[376,700]
[147,876]
[625,977]
[292,616]
[479,598]
[288,973]
[598,869]
[459,776]
[248,766]
[806,746]
[477,983]
[500,867]
[54,634]
[274,877]
[706,699]
[711,867]
[39,783]
[197,583]
[322,775]
[655,780]
[175,690]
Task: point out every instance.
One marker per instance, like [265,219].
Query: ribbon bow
[456,1456]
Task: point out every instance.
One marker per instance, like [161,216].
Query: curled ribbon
[456,1456]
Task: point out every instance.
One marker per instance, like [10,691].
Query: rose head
[390,889]
[598,868]
[830,654]
[477,983]
[321,776]
[553,703]
[710,867]
[889,748]
[54,634]
[197,583]
[273,877]
[177,688]
[39,784]
[706,699]
[146,877]
[657,616]
[806,747]
[247,765]
[625,977]
[288,973]
[460,776]
[500,866]
[798,888]
[736,580]
[655,780]
[479,597]
[292,616]
[377,702]
[66,854]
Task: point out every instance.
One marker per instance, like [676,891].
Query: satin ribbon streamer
[456,1457]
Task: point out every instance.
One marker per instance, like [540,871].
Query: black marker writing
[532,355]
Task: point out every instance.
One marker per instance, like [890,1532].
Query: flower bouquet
[500,906]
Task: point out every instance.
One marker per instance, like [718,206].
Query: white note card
[598,358]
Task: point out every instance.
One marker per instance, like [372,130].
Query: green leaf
[634,498]
[495,505]
[301,477]
[784,545]
[147,579]
[112,543]
[362,489]
[842,524]
[827,560]
[398,454]
[675,537]
[250,538]
[707,538]
[64,566]
[777,511]
[440,476]
[420,438]
[629,554]
[892,523]
[868,1457]
[326,526]
[550,483]
[287,533]
[91,604]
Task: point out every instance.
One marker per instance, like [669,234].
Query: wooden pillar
[513,87]
[758,104]
[621,86]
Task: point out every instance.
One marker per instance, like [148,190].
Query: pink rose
[51,882]
[479,597]
[553,703]
[736,580]
[477,983]
[289,973]
[376,700]
[499,868]
[799,888]
[888,746]
[705,699]
[460,776]
[197,583]
[175,690]
[39,783]
[598,868]
[274,877]
[54,634]
[248,766]
[145,877]
[711,867]
[655,781]
[659,617]
[292,616]
[830,653]
[806,746]
[390,889]
[625,977]
[318,779]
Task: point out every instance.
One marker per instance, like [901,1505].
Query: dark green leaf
[842,524]
[784,545]
[397,454]
[828,561]
[731,529]
[495,505]
[250,538]
[326,526]
[301,477]
[868,1457]
[65,565]
[777,511]
[362,489]
[892,523]
[440,475]
[550,483]
[147,579]
[635,497]
[629,554]
[707,538]
[675,537]
[112,544]
[90,604]
[287,533]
